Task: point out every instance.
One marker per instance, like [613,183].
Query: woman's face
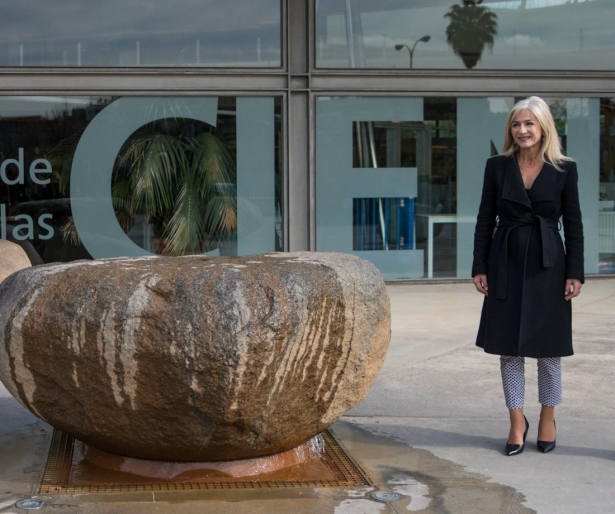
[526,130]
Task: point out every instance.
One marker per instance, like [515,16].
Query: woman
[522,269]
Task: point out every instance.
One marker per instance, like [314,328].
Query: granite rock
[194,358]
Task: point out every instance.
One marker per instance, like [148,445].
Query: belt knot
[509,225]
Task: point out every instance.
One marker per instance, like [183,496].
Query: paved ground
[432,428]
[440,393]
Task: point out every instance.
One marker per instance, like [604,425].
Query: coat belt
[509,225]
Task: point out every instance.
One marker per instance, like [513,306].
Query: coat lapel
[514,190]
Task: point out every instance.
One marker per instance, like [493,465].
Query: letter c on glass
[92,170]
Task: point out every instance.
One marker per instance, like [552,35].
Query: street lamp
[424,39]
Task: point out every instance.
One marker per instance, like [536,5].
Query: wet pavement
[432,428]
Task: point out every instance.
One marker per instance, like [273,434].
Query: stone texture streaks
[194,358]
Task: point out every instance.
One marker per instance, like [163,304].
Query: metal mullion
[312,172]
[284,36]
[299,190]
[311,44]
[366,82]
[458,94]
[53,83]
[311,61]
[511,73]
[285,170]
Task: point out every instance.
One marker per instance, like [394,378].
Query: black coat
[526,266]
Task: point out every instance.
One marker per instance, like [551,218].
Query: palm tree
[184,182]
[470,30]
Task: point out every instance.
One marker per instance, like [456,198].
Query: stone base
[308,453]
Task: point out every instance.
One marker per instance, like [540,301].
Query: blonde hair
[550,149]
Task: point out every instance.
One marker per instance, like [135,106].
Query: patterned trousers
[549,381]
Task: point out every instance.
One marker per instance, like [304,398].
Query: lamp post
[424,39]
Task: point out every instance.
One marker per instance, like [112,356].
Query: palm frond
[121,193]
[220,215]
[184,231]
[186,185]
[212,165]
[154,161]
[69,232]
[206,205]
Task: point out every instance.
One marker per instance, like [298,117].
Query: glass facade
[101,177]
[412,210]
[171,149]
[518,34]
[127,33]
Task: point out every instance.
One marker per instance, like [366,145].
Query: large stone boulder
[194,358]
[12,259]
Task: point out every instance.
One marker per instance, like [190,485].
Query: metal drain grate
[57,476]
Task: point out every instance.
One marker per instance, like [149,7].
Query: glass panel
[234,33]
[384,145]
[378,191]
[383,224]
[481,34]
[359,207]
[104,177]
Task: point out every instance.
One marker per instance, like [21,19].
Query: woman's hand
[573,288]
[480,283]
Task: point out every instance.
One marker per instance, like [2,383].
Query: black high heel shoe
[547,446]
[516,449]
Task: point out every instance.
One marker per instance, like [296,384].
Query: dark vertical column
[299,190]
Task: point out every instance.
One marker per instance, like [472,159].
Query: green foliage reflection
[471,30]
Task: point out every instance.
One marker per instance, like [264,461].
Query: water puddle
[427,483]
[91,466]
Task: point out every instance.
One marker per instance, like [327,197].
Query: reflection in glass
[424,39]
[181,175]
[471,30]
[448,151]
[127,33]
[402,223]
[174,182]
[381,144]
[383,223]
[519,34]
[34,214]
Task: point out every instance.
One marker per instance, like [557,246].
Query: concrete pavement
[432,428]
[443,394]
